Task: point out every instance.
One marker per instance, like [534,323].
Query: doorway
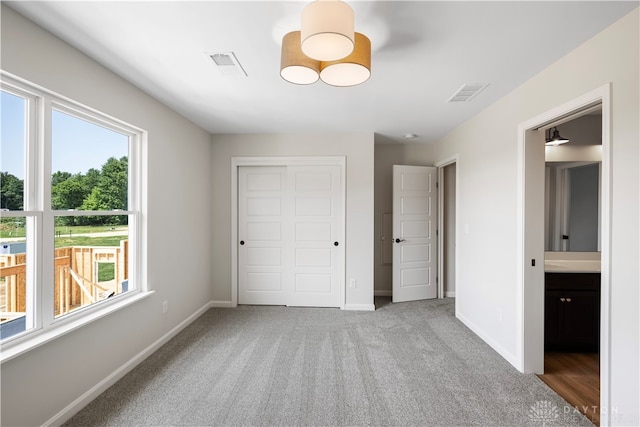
[572,230]
[530,232]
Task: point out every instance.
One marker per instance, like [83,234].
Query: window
[70,211]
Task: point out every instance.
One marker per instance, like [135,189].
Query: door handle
[400,240]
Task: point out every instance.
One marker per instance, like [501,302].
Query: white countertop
[572,262]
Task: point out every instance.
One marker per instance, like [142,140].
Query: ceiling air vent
[228,64]
[467,92]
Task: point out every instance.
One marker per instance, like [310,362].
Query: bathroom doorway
[572,261]
[530,232]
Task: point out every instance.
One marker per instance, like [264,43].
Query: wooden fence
[76,282]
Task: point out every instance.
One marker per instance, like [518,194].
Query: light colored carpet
[404,364]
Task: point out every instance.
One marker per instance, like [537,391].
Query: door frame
[237,162]
[454,159]
[530,315]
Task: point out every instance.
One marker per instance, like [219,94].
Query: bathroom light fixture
[325,23]
[327,30]
[555,139]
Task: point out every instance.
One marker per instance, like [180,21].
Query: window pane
[89,165]
[12,149]
[92,260]
[15,305]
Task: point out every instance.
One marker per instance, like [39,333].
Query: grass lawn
[68,236]
[89,241]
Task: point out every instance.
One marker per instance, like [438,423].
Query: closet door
[291,235]
[264,248]
[318,242]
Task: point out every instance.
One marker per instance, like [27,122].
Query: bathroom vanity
[572,301]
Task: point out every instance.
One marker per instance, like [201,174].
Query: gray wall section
[583,214]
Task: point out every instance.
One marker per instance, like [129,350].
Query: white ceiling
[423,52]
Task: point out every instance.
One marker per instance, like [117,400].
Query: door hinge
[437,232]
[436,280]
[437,184]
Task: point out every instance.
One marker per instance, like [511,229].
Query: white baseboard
[360,307]
[82,401]
[450,294]
[509,357]
[382,293]
[222,304]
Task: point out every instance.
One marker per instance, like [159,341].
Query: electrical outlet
[165,306]
[352,283]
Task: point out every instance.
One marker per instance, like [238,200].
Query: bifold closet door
[291,235]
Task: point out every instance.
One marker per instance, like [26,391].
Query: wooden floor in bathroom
[575,377]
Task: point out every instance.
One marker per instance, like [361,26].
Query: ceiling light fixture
[555,139]
[327,30]
[352,70]
[295,66]
[326,47]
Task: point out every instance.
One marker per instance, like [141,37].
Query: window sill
[37,338]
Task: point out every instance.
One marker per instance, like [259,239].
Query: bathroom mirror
[572,187]
[573,201]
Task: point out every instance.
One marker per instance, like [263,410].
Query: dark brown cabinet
[572,312]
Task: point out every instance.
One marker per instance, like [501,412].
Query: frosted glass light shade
[327,30]
[352,70]
[295,66]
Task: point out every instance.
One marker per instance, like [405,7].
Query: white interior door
[264,248]
[291,237]
[415,207]
[318,244]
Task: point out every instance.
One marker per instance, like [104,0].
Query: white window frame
[42,326]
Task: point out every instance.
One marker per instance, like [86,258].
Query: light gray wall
[358,150]
[39,384]
[387,155]
[487,170]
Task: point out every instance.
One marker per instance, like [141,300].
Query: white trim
[602,95]
[447,161]
[237,162]
[360,307]
[449,294]
[382,293]
[222,304]
[82,401]
[508,356]
[40,248]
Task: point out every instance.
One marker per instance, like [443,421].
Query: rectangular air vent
[467,92]
[228,64]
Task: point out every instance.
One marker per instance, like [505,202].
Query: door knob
[400,240]
[242,242]
[335,243]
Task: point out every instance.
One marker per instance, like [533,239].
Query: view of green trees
[104,189]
